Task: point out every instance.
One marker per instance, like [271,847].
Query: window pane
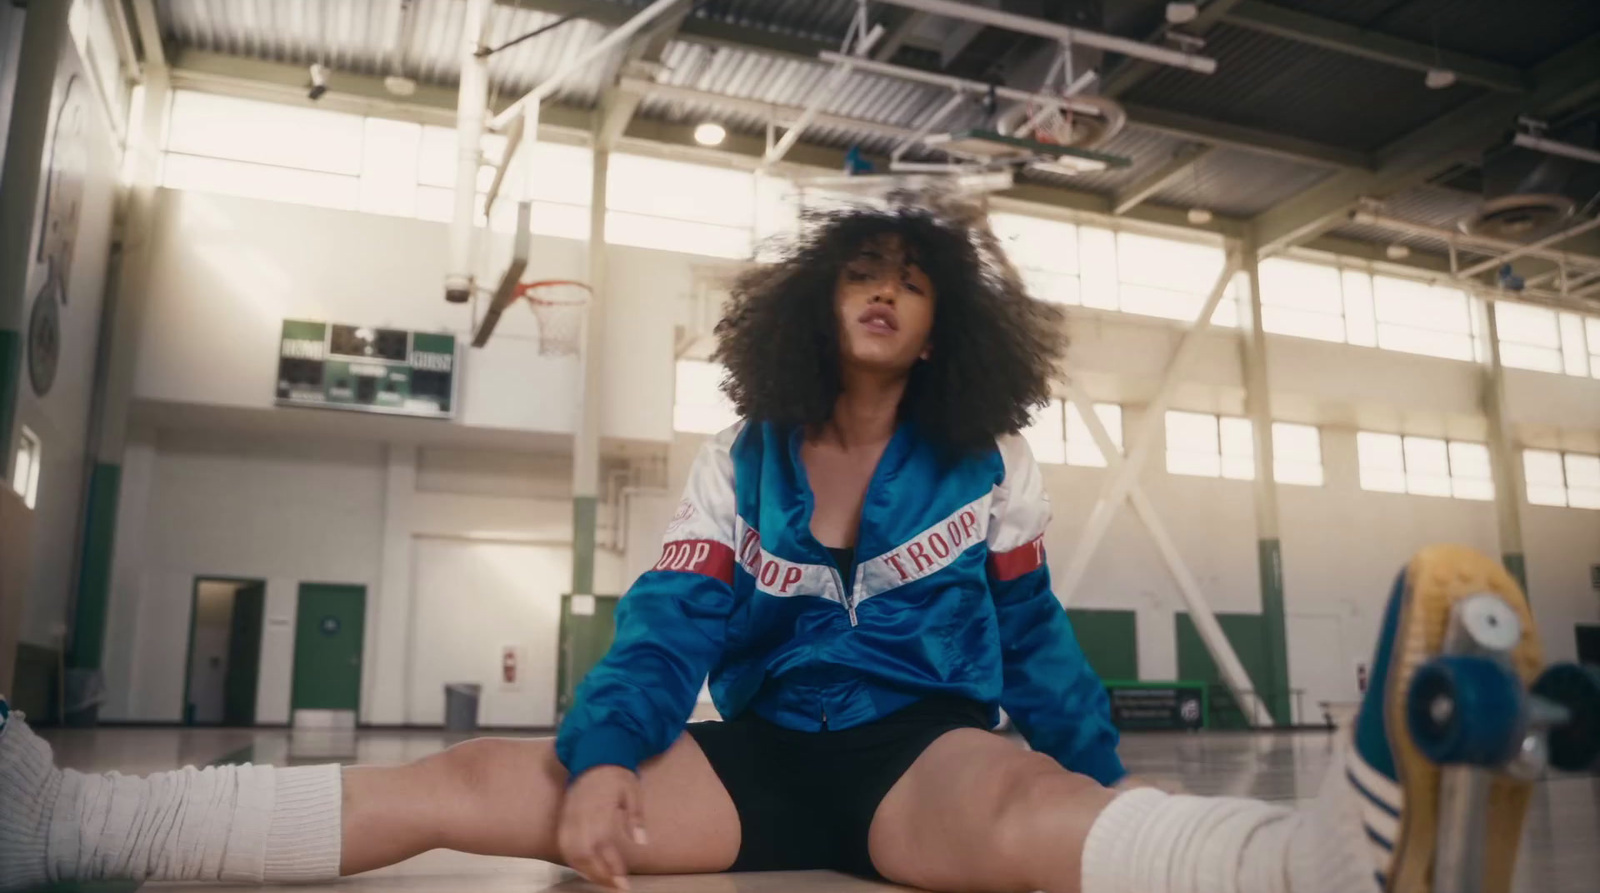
[1418,304]
[1472,489]
[1192,444]
[1168,264]
[1592,326]
[265,132]
[1303,473]
[1301,286]
[1198,464]
[1469,460]
[280,184]
[681,191]
[1057,288]
[1037,243]
[1237,438]
[1081,446]
[1526,324]
[1045,435]
[1239,468]
[1544,494]
[1298,443]
[1573,352]
[699,405]
[389,167]
[1192,431]
[1583,497]
[1582,471]
[1427,467]
[1542,467]
[1424,341]
[1525,356]
[1383,480]
[1361,326]
[1302,323]
[1546,481]
[643,231]
[1097,255]
[1380,451]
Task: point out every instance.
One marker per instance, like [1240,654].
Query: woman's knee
[485,786]
[1038,804]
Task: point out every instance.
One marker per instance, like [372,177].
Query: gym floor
[1559,851]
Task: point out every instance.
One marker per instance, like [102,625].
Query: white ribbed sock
[1147,841]
[228,823]
[222,823]
[29,783]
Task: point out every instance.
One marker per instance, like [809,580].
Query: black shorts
[806,799]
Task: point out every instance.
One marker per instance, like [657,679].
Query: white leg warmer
[1150,842]
[223,823]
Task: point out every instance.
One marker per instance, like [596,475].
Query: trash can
[86,691]
[461,706]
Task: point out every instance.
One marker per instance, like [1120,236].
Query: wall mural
[67,159]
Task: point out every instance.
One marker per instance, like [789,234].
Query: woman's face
[885,306]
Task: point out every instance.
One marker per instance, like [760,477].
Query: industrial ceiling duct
[1528,192]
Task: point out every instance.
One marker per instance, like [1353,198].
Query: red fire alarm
[508,666]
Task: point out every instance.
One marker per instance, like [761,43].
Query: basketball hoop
[559,305]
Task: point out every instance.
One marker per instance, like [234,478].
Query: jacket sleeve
[1051,693]
[671,628]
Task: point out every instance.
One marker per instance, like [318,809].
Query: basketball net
[559,305]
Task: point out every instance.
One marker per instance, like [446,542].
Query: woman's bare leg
[502,796]
[976,812]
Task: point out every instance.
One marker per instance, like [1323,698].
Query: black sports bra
[845,560]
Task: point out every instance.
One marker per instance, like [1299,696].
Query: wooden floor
[1560,853]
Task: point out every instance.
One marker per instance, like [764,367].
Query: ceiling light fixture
[710,133]
[1199,216]
[1182,13]
[1397,251]
[1439,78]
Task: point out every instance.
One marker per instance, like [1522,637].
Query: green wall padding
[94,577]
[1245,633]
[1109,639]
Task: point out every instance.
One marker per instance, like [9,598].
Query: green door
[1247,634]
[244,655]
[328,632]
[1109,640]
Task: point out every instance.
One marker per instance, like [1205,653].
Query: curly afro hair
[994,348]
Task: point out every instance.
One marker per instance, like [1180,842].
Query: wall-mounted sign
[368,369]
[1145,706]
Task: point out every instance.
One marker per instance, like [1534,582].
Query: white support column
[1269,547]
[586,432]
[1509,485]
[1205,622]
[1116,487]
[471,108]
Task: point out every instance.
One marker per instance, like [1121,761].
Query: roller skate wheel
[1490,622]
[1466,711]
[1574,744]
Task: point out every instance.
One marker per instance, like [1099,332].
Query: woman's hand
[600,812]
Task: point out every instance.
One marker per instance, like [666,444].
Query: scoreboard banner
[1151,706]
[367,369]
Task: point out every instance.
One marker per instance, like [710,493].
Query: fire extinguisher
[508,666]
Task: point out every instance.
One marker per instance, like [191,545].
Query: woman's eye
[856,275]
[912,286]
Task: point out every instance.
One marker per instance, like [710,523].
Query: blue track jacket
[950,596]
